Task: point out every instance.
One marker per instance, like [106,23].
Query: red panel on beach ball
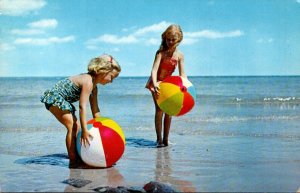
[174,80]
[113,145]
[177,96]
[107,145]
[188,102]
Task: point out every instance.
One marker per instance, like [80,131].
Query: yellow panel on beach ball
[167,90]
[177,96]
[111,124]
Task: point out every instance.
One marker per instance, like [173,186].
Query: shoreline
[190,163]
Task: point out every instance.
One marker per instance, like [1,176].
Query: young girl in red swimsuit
[165,62]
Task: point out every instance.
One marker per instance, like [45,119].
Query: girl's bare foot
[159,144]
[166,142]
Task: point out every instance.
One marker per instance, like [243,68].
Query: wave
[247,99]
[282,99]
[283,136]
[239,119]
[200,98]
[269,99]
[138,142]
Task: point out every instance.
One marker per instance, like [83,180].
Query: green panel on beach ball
[173,104]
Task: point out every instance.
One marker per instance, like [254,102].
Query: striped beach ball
[107,145]
[177,96]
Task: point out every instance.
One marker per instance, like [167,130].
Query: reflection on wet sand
[96,178]
[164,172]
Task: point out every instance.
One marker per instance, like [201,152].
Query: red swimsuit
[166,67]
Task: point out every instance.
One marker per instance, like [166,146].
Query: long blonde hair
[172,31]
[103,64]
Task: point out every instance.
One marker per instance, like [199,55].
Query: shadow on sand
[140,143]
[52,159]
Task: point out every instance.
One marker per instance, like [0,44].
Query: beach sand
[35,160]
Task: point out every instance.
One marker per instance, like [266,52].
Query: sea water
[220,100]
[243,133]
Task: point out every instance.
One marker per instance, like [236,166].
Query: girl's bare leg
[158,122]
[158,126]
[167,125]
[70,122]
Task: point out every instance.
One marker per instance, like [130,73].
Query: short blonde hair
[103,64]
[173,31]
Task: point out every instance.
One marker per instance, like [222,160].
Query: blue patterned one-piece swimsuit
[62,95]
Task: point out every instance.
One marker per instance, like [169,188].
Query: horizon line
[132,76]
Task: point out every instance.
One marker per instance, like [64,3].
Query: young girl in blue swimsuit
[83,87]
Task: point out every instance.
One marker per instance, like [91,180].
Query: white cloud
[151,35]
[6,47]
[189,41]
[113,39]
[153,41]
[36,27]
[160,27]
[213,34]
[20,7]
[135,37]
[210,3]
[92,47]
[128,29]
[262,40]
[44,23]
[116,49]
[44,41]
[26,31]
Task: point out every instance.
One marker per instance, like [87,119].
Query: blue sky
[221,37]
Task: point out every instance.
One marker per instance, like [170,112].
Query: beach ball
[177,96]
[107,145]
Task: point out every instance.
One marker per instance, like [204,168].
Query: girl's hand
[85,135]
[156,88]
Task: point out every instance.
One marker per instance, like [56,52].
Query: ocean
[243,134]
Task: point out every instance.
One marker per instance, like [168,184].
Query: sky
[220,37]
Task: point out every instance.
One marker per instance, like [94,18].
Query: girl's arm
[86,89]
[181,66]
[94,103]
[154,70]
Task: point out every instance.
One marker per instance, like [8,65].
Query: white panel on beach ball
[107,145]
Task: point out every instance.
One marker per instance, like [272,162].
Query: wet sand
[32,160]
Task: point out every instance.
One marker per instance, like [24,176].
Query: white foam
[281,99]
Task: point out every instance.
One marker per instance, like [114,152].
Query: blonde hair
[173,31]
[103,64]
